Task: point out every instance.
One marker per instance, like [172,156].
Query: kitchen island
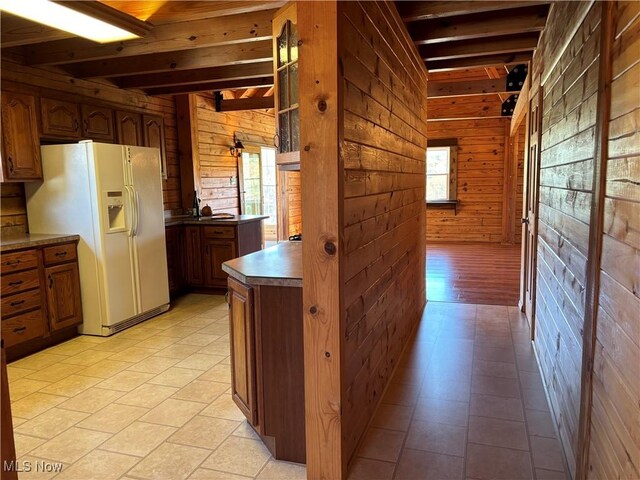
[267,357]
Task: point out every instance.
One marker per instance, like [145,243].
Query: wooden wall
[481,162]
[567,150]
[363,117]
[293,193]
[53,81]
[218,170]
[615,417]
[384,148]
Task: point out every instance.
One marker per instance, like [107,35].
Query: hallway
[466,402]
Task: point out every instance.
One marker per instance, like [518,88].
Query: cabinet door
[243,366]
[216,253]
[153,136]
[60,119]
[129,129]
[195,274]
[63,296]
[97,123]
[175,261]
[20,142]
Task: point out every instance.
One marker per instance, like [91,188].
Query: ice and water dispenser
[115,211]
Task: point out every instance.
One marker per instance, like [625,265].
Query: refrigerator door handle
[136,203]
[131,211]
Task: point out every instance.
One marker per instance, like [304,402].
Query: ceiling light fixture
[92,20]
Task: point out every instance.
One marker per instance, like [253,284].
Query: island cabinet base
[267,364]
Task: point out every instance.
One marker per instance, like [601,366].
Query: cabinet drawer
[15,262]
[59,253]
[219,232]
[20,302]
[23,327]
[19,282]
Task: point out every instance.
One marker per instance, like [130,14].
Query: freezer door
[115,258]
[148,229]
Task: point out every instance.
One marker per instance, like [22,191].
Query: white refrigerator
[111,195]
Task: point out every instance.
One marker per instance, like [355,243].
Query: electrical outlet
[233,181]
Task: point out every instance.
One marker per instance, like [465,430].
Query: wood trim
[413,11]
[322,185]
[442,142]
[255,103]
[508,191]
[188,147]
[522,105]
[592,287]
[482,61]
[478,48]
[525,192]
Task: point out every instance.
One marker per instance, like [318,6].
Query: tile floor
[466,402]
[153,402]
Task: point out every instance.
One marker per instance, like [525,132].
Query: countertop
[280,265]
[16,242]
[189,220]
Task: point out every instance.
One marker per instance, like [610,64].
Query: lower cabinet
[216,252]
[63,296]
[243,378]
[194,267]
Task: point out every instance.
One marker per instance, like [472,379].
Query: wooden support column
[508,187]
[188,147]
[592,288]
[322,210]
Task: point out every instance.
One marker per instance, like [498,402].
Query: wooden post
[322,209]
[592,288]
[188,147]
[508,193]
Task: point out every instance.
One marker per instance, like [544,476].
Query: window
[439,174]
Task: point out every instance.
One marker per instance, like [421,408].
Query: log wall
[570,83]
[615,414]
[218,171]
[50,81]
[384,148]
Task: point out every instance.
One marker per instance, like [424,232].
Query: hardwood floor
[480,273]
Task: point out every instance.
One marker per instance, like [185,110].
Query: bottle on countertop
[196,204]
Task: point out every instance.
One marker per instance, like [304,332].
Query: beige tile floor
[466,402]
[153,402]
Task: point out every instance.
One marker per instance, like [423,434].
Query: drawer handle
[13,284]
[219,232]
[16,303]
[50,281]
[61,254]
[12,262]
[19,329]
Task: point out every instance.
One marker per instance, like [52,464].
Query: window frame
[452,187]
[447,175]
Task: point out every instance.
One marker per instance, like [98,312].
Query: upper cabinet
[60,119]
[97,123]
[20,143]
[129,128]
[153,136]
[285,57]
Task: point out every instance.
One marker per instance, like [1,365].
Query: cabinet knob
[50,281]
[14,284]
[76,125]
[16,303]
[19,329]
[10,162]
[61,254]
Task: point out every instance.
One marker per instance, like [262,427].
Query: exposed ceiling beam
[413,11]
[235,54]
[15,31]
[199,75]
[163,38]
[479,47]
[473,87]
[482,61]
[521,20]
[210,86]
[256,103]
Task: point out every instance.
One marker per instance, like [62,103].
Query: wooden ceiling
[193,46]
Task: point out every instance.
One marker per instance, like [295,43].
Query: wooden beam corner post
[322,198]
[188,147]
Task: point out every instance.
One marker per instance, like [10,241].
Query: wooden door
[60,119]
[153,136]
[530,220]
[63,296]
[20,141]
[97,123]
[194,270]
[129,129]
[243,366]
[216,253]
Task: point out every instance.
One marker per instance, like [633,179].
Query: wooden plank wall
[51,80]
[615,415]
[570,84]
[383,231]
[294,201]
[481,157]
[218,168]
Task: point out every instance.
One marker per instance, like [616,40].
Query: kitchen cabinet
[129,128]
[285,58]
[153,136]
[60,119]
[41,300]
[97,123]
[216,253]
[20,139]
[194,273]
[241,322]
[174,236]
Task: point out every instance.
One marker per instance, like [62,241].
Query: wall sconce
[236,149]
